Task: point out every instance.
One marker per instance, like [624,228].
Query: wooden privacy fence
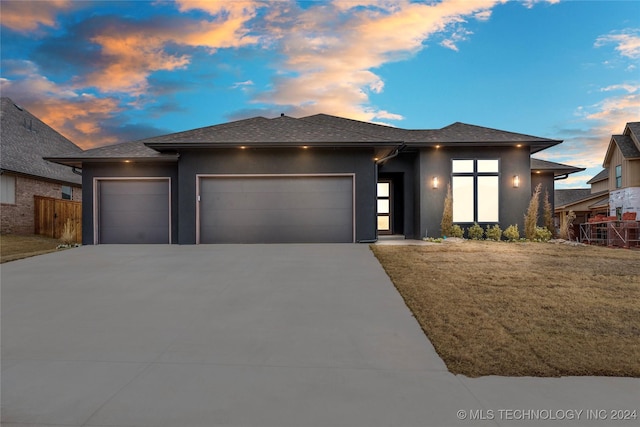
[51,214]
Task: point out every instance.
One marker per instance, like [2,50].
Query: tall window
[475,190]
[67,192]
[618,176]
[7,189]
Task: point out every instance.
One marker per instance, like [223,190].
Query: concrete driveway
[246,335]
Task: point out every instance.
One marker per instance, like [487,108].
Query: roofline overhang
[176,146]
[41,178]
[534,146]
[77,162]
[584,199]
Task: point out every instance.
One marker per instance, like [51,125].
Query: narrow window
[67,192]
[618,176]
[8,189]
[475,190]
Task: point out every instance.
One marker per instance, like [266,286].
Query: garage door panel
[261,234]
[276,209]
[284,201]
[133,211]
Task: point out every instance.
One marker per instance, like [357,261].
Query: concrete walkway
[249,335]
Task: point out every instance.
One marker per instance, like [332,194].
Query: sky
[104,72]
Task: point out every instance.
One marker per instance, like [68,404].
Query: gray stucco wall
[278,161]
[547,181]
[437,162]
[403,167]
[104,170]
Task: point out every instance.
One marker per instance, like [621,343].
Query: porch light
[242,147]
[516,181]
[434,182]
[305,146]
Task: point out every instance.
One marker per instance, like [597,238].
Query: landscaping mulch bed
[523,309]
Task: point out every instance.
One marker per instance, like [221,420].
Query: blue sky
[114,71]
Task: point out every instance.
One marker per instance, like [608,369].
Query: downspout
[392,155]
[378,162]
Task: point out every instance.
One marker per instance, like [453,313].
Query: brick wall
[18,218]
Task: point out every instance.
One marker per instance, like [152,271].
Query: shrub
[566,226]
[447,214]
[531,217]
[475,232]
[68,236]
[493,233]
[456,231]
[542,234]
[511,233]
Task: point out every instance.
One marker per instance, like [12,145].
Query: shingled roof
[135,150]
[456,134]
[600,176]
[320,130]
[25,140]
[568,196]
[628,143]
[278,132]
[558,169]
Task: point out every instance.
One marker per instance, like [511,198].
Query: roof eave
[535,146]
[173,146]
[78,161]
[41,178]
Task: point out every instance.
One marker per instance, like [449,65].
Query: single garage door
[133,211]
[276,209]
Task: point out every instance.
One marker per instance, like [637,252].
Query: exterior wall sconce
[434,182]
[516,181]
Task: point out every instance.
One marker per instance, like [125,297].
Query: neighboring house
[314,179]
[623,162]
[616,189]
[24,141]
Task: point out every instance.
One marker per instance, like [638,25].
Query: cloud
[87,120]
[577,180]
[627,42]
[530,3]
[330,50]
[125,52]
[243,84]
[628,87]
[586,147]
[27,16]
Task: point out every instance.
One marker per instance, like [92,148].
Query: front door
[385,207]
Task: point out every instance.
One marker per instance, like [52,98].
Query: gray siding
[403,169]
[547,181]
[119,169]
[437,162]
[278,161]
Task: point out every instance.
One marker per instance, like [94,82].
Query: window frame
[475,175]
[618,171]
[12,199]
[70,193]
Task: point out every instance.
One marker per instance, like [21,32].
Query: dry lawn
[14,247]
[523,309]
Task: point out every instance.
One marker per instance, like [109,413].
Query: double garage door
[276,209]
[230,209]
